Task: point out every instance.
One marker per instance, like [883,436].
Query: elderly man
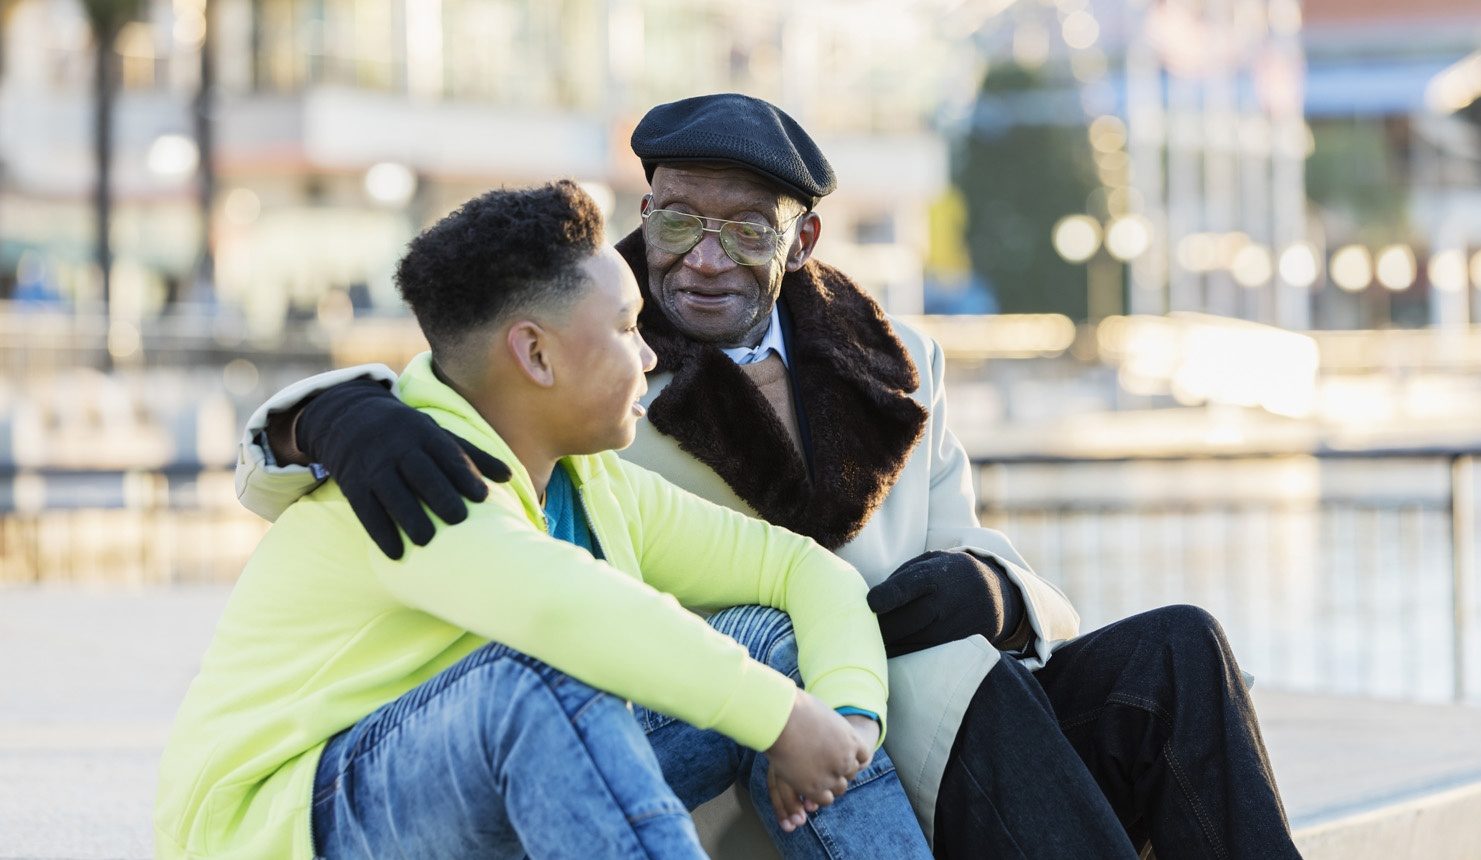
[782,390]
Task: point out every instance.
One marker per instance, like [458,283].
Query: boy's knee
[765,632]
[494,654]
[511,676]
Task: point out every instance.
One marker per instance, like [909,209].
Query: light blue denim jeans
[497,756]
[872,819]
[502,756]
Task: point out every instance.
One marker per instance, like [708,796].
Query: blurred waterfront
[1335,543]
[1234,250]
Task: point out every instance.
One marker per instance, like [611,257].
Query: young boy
[450,703]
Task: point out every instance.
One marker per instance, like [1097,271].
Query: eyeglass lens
[677,232]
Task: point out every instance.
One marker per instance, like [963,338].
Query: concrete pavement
[90,679]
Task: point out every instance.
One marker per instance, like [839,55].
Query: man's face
[600,359]
[705,294]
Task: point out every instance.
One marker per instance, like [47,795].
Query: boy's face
[601,359]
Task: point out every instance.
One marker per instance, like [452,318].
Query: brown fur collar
[853,379]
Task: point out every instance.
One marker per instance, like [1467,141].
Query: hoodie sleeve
[499,576]
[711,557]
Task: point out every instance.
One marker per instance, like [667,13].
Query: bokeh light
[1351,268]
[242,206]
[1251,266]
[390,184]
[1447,270]
[172,155]
[1197,252]
[1107,133]
[1128,237]
[1080,30]
[1396,267]
[1298,265]
[1077,237]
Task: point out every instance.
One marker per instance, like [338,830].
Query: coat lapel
[853,381]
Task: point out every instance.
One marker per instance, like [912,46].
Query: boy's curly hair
[501,252]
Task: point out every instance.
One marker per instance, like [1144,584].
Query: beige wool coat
[931,506]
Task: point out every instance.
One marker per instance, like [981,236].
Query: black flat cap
[739,130]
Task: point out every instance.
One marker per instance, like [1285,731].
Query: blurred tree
[1358,173]
[203,111]
[6,8]
[107,18]
[1020,169]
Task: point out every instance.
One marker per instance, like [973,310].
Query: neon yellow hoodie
[322,629]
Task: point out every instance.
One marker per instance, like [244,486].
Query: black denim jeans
[1141,730]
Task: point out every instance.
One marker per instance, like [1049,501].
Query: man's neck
[770,338]
[752,338]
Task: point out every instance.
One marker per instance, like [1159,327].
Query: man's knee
[1192,633]
[1187,623]
[765,632]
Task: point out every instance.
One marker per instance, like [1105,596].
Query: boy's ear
[529,345]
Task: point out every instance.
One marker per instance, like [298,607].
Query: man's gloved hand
[389,458]
[943,596]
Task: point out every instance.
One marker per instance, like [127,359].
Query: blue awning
[1370,87]
[1339,86]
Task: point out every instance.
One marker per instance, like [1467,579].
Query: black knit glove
[943,596]
[390,459]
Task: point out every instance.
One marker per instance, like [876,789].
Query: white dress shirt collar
[770,342]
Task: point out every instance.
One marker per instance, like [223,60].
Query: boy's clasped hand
[816,756]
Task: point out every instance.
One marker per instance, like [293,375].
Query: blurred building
[1301,164]
[1191,143]
[342,126]
[1395,175]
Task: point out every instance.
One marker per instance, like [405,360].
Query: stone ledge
[85,713]
[1437,826]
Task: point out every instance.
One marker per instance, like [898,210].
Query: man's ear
[809,229]
[529,346]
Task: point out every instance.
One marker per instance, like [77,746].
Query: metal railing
[139,527]
[1348,572]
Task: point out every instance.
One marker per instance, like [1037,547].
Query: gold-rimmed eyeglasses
[745,242]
